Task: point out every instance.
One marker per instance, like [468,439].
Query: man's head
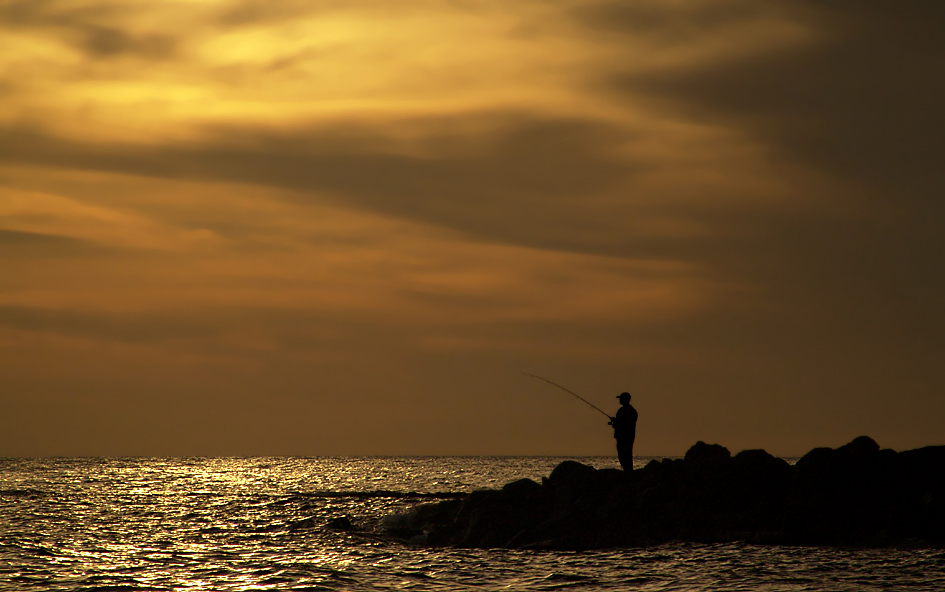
[624,398]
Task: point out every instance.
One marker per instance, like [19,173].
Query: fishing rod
[570,392]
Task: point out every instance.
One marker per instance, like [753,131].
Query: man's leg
[625,455]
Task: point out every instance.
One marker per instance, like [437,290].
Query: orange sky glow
[320,228]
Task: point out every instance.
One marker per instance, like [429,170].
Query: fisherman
[625,431]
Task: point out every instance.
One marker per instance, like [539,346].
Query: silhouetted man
[625,430]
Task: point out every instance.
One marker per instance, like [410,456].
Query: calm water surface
[263,524]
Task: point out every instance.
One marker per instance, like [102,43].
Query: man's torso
[625,423]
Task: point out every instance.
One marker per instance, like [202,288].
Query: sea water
[277,524]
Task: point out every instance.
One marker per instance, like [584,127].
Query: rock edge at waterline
[856,495]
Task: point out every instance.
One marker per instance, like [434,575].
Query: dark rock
[856,495]
[707,455]
[571,472]
[845,496]
[303,524]
[523,488]
[816,463]
[651,470]
[340,523]
[861,448]
[757,473]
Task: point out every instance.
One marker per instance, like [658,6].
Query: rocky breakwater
[855,495]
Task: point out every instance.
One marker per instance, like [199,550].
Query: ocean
[280,524]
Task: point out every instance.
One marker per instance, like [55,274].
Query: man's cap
[622,395]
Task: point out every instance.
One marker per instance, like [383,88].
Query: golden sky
[294,227]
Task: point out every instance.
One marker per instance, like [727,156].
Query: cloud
[852,101]
[857,99]
[106,42]
[15,244]
[671,21]
[253,13]
[109,327]
[511,182]
[10,238]
[596,185]
[84,28]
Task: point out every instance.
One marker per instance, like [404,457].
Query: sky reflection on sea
[263,524]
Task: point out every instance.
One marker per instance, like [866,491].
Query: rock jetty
[854,495]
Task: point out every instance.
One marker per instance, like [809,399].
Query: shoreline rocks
[854,495]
